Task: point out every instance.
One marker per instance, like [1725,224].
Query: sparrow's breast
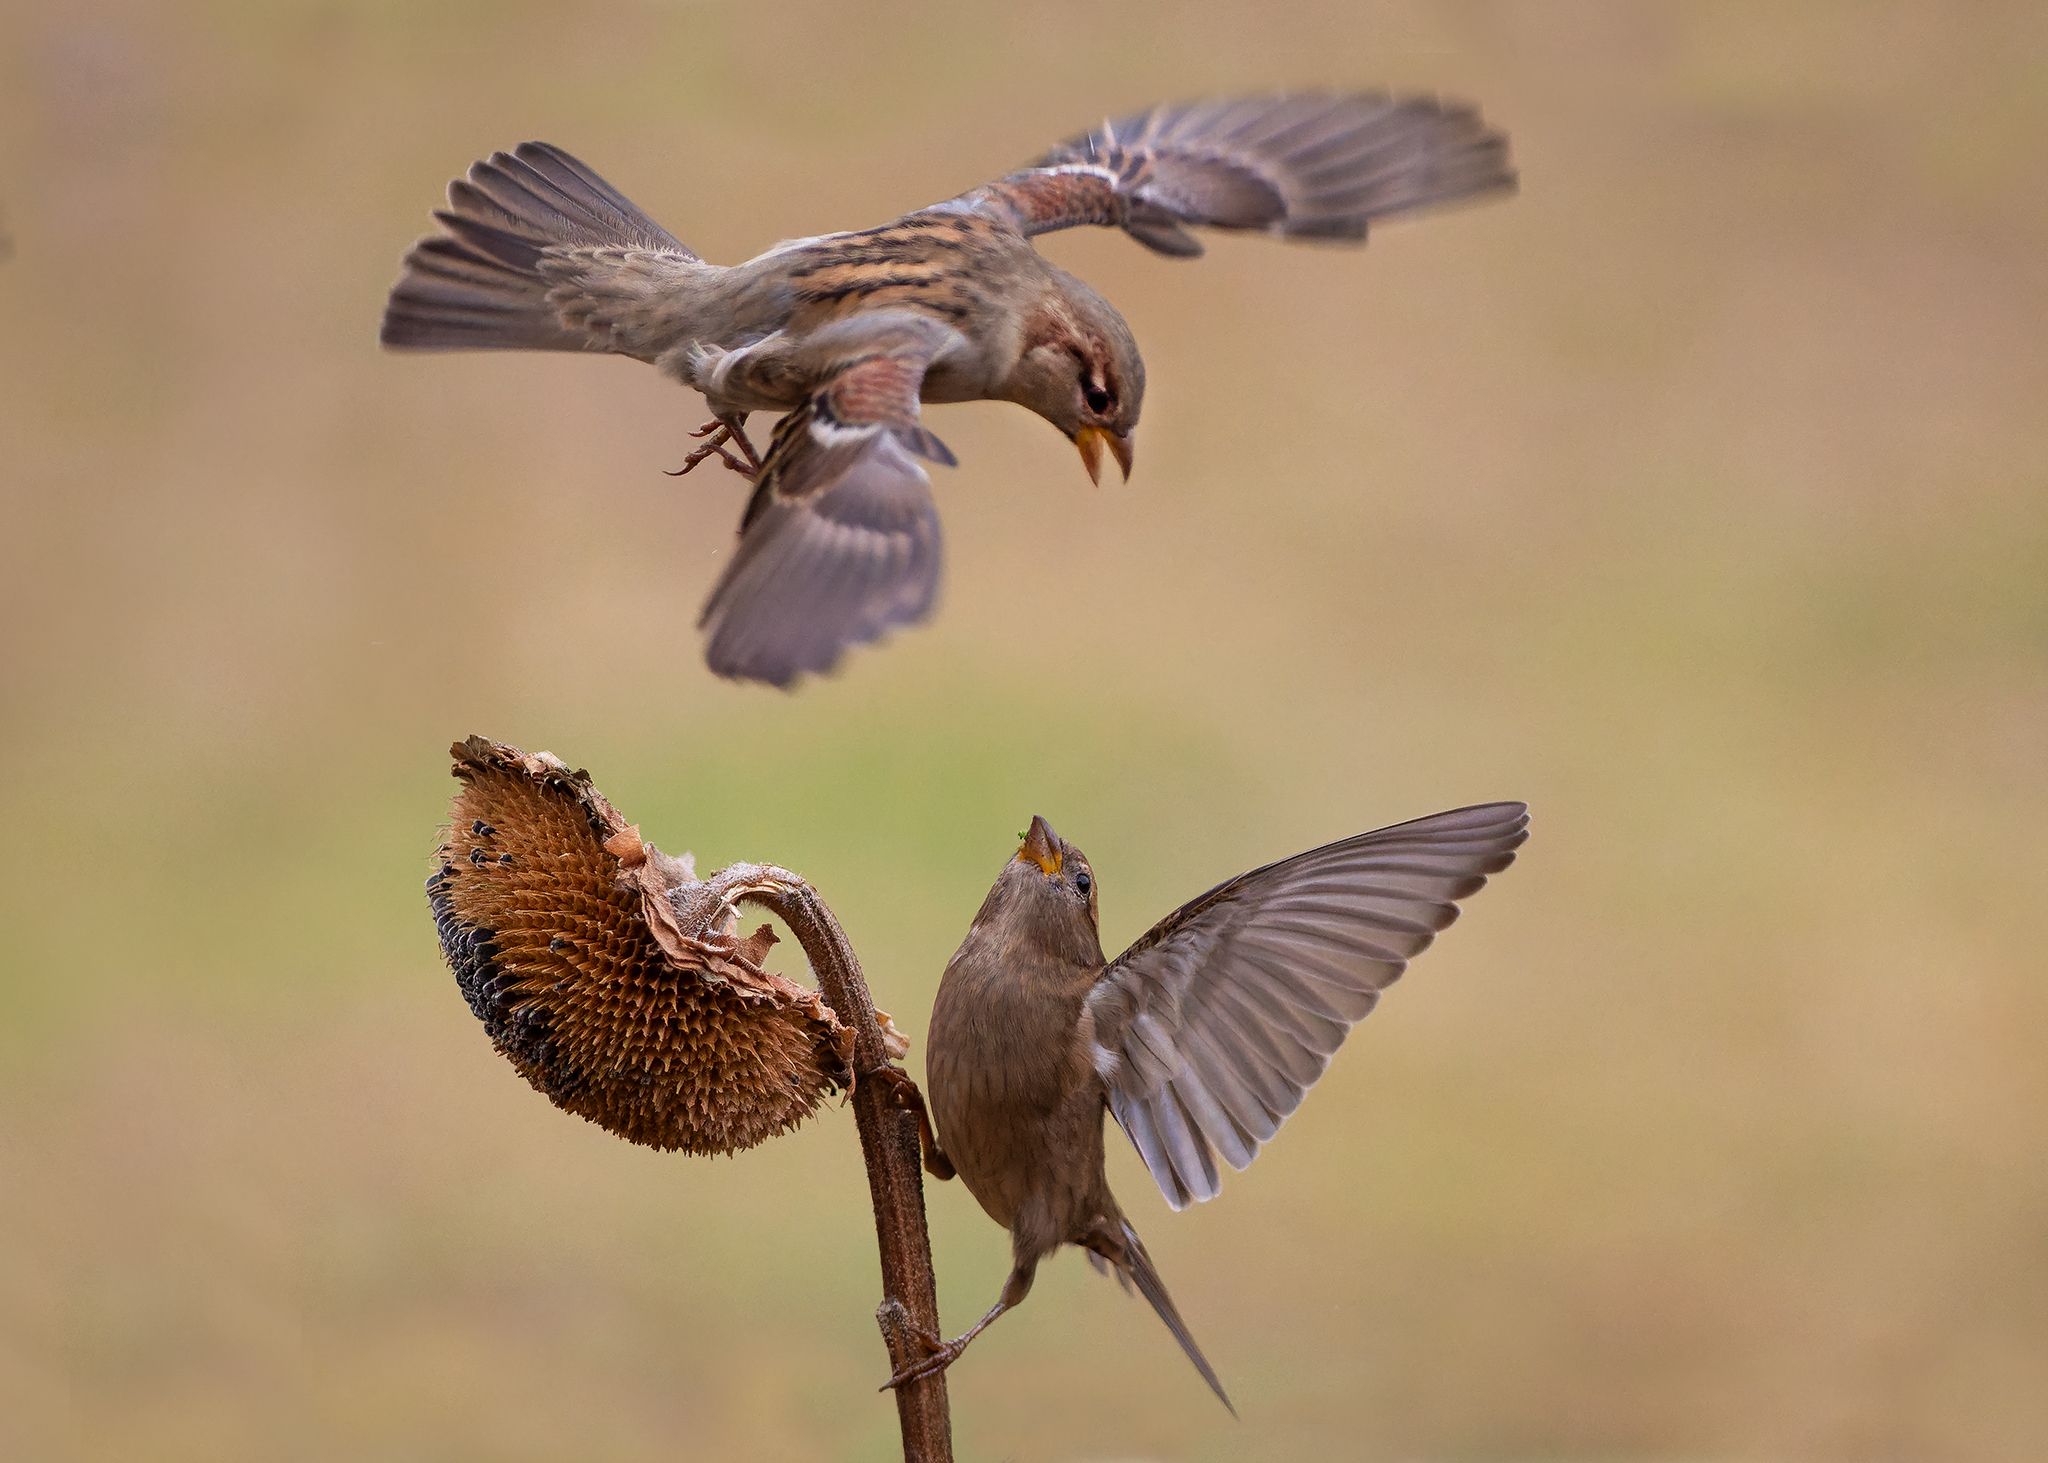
[1021,1122]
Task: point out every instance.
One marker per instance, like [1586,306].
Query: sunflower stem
[888,1137]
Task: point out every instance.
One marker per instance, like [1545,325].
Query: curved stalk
[888,1132]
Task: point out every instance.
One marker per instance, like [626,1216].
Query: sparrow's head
[1043,903]
[1081,371]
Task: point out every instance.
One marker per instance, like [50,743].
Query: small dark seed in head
[481,829]
[476,856]
[504,858]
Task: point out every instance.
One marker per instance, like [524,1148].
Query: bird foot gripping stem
[938,1355]
[722,435]
[904,1094]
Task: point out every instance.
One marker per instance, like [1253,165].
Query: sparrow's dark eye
[1083,883]
[1098,398]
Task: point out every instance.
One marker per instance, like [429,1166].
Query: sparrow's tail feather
[1103,1268]
[520,225]
[1126,1252]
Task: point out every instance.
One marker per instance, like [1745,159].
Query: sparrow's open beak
[1091,441]
[1042,847]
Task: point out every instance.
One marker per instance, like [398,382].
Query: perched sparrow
[849,332]
[1200,1039]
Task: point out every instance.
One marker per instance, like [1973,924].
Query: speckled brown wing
[1312,166]
[840,542]
[1212,1027]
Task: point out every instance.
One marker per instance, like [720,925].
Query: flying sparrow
[848,333]
[1199,1040]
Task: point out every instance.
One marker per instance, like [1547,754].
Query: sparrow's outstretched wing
[1303,166]
[1211,1028]
[840,542]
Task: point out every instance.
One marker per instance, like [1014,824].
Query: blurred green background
[1696,495]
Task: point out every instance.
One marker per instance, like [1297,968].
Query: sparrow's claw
[723,434]
[938,1355]
[902,1087]
[904,1094]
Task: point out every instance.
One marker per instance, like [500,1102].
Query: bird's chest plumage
[1018,1109]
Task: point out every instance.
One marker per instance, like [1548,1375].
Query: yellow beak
[1091,441]
[1042,847]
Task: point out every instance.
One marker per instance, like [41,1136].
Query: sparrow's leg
[941,1354]
[723,433]
[904,1093]
[737,428]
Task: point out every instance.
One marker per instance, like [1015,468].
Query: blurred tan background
[1696,495]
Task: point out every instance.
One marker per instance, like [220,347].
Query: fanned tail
[483,284]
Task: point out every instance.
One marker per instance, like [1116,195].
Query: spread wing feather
[1308,166]
[840,542]
[1213,1026]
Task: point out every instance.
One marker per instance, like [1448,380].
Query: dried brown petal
[554,915]
[894,1042]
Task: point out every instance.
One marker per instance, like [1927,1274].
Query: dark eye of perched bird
[1083,883]
[1097,397]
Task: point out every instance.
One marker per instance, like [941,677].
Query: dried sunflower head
[557,921]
